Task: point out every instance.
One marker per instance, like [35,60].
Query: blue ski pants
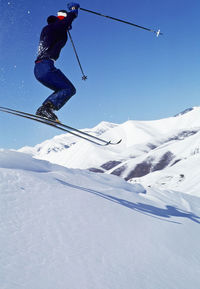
[53,78]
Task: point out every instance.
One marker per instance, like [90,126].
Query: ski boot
[46,111]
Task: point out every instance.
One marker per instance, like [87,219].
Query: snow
[158,153]
[70,228]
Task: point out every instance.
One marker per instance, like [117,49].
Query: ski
[60,126]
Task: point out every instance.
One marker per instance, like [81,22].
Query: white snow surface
[162,154]
[70,228]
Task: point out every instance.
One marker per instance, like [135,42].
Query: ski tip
[114,143]
[119,141]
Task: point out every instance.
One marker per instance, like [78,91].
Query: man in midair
[52,39]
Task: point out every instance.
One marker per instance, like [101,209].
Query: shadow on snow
[150,210]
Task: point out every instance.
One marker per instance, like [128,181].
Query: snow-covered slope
[157,153]
[68,228]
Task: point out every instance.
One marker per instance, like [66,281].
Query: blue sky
[131,73]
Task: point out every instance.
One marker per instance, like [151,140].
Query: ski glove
[73,5]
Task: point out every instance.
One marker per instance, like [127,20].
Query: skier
[52,39]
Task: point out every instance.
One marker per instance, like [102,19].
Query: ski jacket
[54,36]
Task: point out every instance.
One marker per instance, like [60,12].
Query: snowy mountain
[70,228]
[159,153]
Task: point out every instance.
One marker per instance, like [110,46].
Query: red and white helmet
[62,14]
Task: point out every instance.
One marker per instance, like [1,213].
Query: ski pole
[84,77]
[123,21]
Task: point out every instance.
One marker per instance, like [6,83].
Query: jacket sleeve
[70,17]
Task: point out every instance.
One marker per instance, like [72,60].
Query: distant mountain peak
[150,152]
[185,111]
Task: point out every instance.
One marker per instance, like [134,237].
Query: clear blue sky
[131,73]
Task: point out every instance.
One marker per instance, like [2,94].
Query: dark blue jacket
[54,36]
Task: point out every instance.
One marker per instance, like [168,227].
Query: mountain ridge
[147,147]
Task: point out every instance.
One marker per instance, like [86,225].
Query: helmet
[62,14]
